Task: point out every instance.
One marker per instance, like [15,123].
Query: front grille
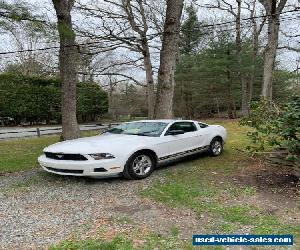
[66,157]
[67,171]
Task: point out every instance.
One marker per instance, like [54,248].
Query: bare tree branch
[289,48]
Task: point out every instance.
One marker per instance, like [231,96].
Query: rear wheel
[139,166]
[216,146]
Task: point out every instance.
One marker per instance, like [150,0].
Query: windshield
[139,128]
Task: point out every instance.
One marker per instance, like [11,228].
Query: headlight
[102,156]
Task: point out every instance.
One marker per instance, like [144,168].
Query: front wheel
[216,147]
[139,166]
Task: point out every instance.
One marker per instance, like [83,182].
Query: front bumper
[109,167]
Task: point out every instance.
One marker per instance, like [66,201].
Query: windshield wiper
[114,131]
[139,134]
[145,133]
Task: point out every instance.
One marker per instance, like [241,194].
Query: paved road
[15,132]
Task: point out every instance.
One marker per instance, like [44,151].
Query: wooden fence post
[38,132]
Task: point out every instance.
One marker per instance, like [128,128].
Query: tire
[134,172]
[216,147]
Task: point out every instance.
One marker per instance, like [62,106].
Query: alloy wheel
[142,165]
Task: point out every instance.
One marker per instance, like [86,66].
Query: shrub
[36,99]
[276,129]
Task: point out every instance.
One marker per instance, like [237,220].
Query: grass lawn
[121,243]
[21,154]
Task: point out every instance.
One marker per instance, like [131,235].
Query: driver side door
[177,144]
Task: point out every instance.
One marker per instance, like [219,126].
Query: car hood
[106,143]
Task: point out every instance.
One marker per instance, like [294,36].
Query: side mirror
[175,132]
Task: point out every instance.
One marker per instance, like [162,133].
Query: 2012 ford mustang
[133,149]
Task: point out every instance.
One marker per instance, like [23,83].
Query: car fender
[141,148]
[217,130]
[128,151]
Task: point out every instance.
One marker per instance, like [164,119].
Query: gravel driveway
[38,209]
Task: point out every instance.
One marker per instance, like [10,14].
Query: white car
[133,149]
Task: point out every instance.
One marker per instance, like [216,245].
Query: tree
[238,42]
[273,11]
[189,44]
[190,30]
[125,24]
[257,27]
[234,9]
[168,54]
[91,101]
[207,81]
[126,100]
[67,66]
[127,5]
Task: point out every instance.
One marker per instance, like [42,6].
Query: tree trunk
[231,107]
[111,109]
[168,54]
[238,43]
[230,99]
[257,29]
[273,12]
[111,100]
[270,57]
[255,44]
[217,106]
[68,68]
[188,100]
[149,79]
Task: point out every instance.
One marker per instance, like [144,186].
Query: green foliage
[29,98]
[35,99]
[275,126]
[190,40]
[91,101]
[285,84]
[207,80]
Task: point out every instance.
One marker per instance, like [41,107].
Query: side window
[185,126]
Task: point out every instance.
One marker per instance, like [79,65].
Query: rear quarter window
[202,125]
[185,126]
